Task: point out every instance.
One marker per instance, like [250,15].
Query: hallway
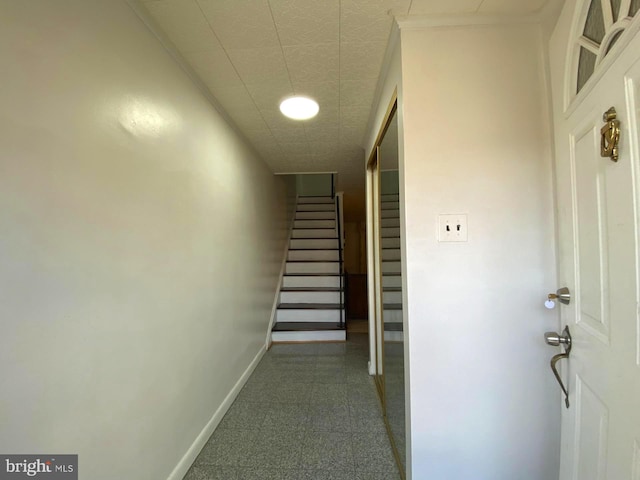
[308,412]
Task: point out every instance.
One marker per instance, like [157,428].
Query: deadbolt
[563,295]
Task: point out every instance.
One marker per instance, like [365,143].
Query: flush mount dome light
[299,108]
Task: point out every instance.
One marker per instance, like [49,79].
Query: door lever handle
[564,339]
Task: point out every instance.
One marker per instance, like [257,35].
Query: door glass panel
[594,28]
[586,66]
[614,39]
[615,9]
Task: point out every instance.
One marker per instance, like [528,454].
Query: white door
[598,247]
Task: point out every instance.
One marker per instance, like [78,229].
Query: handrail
[340,264]
[333,187]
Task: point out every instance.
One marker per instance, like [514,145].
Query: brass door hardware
[610,135]
[556,339]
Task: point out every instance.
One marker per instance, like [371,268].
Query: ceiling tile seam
[237,73]
[286,64]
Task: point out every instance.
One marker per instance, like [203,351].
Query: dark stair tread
[322,228]
[392,306]
[309,306]
[316,204]
[307,249]
[312,274]
[312,261]
[310,289]
[305,326]
[318,238]
[330,208]
[392,289]
[393,327]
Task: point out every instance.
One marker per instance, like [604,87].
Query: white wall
[313,184]
[484,404]
[140,242]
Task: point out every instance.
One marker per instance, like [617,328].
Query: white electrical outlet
[452,227]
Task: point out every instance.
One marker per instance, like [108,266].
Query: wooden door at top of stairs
[598,261]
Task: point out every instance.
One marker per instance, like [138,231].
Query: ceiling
[253,53]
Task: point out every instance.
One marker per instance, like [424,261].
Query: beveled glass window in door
[604,23]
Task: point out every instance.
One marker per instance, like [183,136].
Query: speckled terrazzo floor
[308,412]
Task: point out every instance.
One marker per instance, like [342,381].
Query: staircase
[391,270]
[311,296]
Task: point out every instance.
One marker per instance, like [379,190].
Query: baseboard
[189,457]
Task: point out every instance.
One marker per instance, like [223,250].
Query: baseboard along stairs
[391,270]
[311,298]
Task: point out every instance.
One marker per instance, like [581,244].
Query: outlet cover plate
[452,227]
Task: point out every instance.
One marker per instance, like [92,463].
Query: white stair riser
[391,267]
[390,254]
[390,222]
[312,267]
[314,243]
[315,215]
[310,297]
[392,281]
[389,231]
[390,243]
[389,197]
[328,255]
[314,233]
[310,315]
[319,336]
[315,200]
[390,213]
[319,224]
[392,316]
[311,281]
[396,337]
[389,205]
[313,207]
[391,297]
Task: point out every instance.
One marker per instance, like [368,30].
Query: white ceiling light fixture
[299,108]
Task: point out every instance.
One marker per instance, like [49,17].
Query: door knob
[557,339]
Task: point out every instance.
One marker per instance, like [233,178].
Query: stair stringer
[283,266]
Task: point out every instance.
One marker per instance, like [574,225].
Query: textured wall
[484,404]
[140,243]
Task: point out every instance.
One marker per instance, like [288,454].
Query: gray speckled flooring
[308,412]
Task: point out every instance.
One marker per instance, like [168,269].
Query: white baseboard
[189,457]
